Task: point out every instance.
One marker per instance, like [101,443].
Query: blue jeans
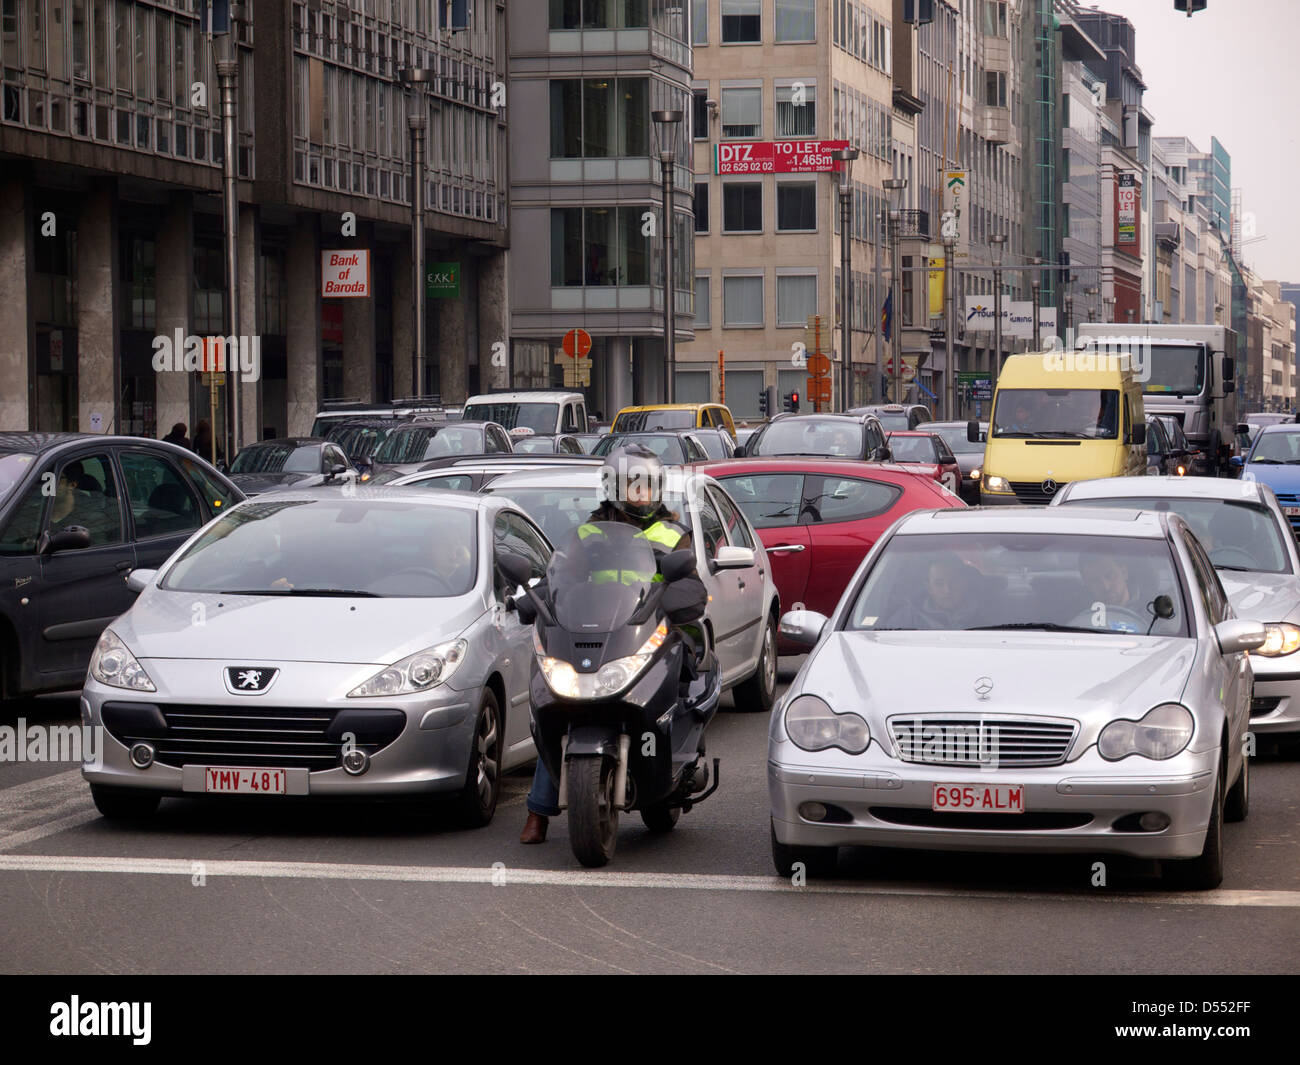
[544,798]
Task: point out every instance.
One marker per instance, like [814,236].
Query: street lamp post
[950,356]
[225,52]
[1091,292]
[1069,312]
[999,242]
[1035,286]
[845,157]
[666,121]
[896,185]
[416,79]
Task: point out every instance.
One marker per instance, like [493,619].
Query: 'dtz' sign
[345,273]
[776,157]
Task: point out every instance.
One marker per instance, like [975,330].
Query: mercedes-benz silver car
[344,642]
[1248,538]
[1054,679]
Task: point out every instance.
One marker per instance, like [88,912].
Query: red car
[818,518]
[927,454]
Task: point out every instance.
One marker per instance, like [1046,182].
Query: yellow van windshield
[1063,413]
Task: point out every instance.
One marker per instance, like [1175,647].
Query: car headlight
[609,679]
[1161,734]
[975,474]
[415,673]
[996,484]
[813,726]
[113,664]
[1283,639]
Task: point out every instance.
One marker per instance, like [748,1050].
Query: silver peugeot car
[1062,679]
[1245,534]
[345,642]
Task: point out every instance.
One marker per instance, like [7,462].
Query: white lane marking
[438,874]
[21,795]
[44,807]
[10,840]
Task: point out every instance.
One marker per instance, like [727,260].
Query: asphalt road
[277,887]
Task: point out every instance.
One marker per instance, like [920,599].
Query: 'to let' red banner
[776,157]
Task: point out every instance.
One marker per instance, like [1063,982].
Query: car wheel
[759,692]
[1205,871]
[478,801]
[1236,807]
[818,862]
[124,805]
[661,817]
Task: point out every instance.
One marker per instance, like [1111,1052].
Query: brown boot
[534,829]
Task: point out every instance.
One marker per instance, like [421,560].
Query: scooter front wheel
[593,820]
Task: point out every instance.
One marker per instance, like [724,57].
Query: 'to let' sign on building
[777,157]
[345,273]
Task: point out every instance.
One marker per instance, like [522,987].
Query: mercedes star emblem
[1049,486]
[983,685]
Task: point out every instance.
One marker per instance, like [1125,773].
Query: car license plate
[979,798]
[1291,512]
[245,781]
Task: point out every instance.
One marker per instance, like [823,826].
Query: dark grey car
[293,461]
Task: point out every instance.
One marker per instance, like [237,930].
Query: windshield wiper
[318,592]
[1268,462]
[1237,569]
[1046,626]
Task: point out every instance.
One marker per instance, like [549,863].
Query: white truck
[1188,371]
[524,413]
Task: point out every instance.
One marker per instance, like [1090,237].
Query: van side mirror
[973,431]
[1138,435]
[739,452]
[1229,370]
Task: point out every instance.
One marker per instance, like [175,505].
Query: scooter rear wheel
[661,817]
[593,820]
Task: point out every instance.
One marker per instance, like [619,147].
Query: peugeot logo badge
[1049,486]
[983,685]
[249,680]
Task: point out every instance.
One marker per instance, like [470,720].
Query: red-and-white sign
[345,273]
[577,343]
[776,157]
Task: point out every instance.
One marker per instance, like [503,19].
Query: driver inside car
[1108,582]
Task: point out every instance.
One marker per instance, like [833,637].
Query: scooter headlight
[612,678]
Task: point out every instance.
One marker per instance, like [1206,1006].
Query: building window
[742,113]
[700,22]
[598,246]
[701,207]
[742,300]
[599,118]
[995,89]
[742,207]
[908,280]
[592,14]
[796,111]
[703,301]
[796,20]
[796,206]
[141,284]
[796,298]
[742,21]
[700,114]
[995,18]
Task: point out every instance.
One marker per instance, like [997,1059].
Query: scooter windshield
[599,576]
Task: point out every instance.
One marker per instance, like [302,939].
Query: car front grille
[917,817]
[1032,491]
[975,740]
[251,735]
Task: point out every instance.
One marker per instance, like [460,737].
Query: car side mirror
[336,471]
[734,557]
[1229,370]
[73,538]
[517,569]
[1243,428]
[804,627]
[740,451]
[881,454]
[1138,435]
[677,565]
[140,579]
[1237,635]
[1237,462]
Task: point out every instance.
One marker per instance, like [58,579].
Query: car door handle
[122,567]
[781,549]
[741,583]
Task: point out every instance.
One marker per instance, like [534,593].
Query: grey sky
[1232,72]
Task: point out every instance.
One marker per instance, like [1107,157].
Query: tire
[124,805]
[1206,871]
[1236,807]
[478,801]
[818,862]
[757,694]
[661,817]
[593,821]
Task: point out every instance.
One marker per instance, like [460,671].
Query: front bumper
[1275,705]
[888,804]
[999,499]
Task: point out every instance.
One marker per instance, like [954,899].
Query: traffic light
[762,404]
[1189,6]
[792,402]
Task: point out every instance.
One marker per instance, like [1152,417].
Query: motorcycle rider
[632,486]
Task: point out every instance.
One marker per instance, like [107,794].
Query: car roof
[540,396]
[668,406]
[1086,521]
[292,441]
[367,495]
[1279,427]
[845,467]
[910,432]
[1166,487]
[579,477]
[41,443]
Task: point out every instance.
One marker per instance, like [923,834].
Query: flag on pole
[887,317]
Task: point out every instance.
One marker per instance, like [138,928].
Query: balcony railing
[914,224]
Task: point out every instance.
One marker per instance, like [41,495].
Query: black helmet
[632,480]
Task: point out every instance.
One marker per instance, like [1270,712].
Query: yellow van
[1061,416]
[674,416]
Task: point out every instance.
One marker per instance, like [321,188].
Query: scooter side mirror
[677,565]
[517,569]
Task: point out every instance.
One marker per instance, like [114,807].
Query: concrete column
[618,375]
[17,337]
[403,341]
[174,262]
[250,318]
[493,322]
[452,350]
[303,341]
[359,332]
[97,304]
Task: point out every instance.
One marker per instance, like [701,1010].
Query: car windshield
[420,443]
[912,449]
[558,511]
[1174,432]
[599,576]
[833,437]
[359,441]
[712,444]
[1277,447]
[893,421]
[374,547]
[535,445]
[668,448]
[638,421]
[13,467]
[277,458]
[1175,370]
[539,417]
[1070,413]
[1045,581]
[955,437]
[1235,534]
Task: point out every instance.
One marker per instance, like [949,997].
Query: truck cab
[529,412]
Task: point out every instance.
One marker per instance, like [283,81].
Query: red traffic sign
[819,365]
[577,343]
[819,389]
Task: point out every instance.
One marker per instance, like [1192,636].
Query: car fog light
[356,761]
[142,755]
[1154,821]
[812,811]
